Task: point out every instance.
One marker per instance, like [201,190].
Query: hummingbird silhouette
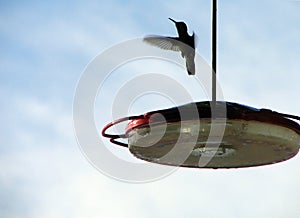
[183,43]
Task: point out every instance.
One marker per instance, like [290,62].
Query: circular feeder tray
[177,136]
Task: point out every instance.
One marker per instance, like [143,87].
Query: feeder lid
[250,136]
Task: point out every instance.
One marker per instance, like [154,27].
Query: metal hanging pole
[214,49]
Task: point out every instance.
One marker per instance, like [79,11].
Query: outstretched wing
[167,43]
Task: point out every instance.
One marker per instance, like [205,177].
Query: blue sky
[45,46]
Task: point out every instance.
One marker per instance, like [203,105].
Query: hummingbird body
[183,43]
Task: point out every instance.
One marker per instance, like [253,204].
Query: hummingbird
[184,43]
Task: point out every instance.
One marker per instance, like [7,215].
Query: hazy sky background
[45,46]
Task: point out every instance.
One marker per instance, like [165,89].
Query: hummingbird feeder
[243,137]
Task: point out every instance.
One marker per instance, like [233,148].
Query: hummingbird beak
[172,20]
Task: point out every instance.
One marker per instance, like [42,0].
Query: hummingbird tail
[190,65]
[191,73]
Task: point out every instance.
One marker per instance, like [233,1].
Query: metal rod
[214,49]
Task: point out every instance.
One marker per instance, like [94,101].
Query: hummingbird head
[181,26]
